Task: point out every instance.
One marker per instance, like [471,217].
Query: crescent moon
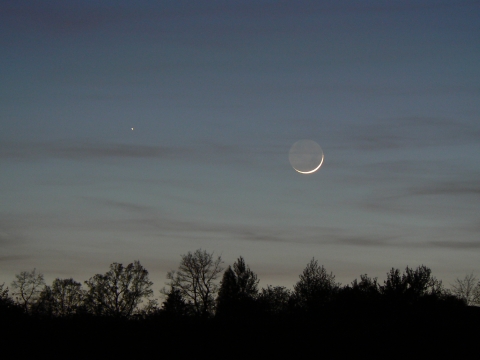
[306,156]
[311,171]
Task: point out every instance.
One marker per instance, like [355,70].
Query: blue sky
[217,92]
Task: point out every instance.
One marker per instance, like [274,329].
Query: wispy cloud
[84,151]
[13,258]
[162,225]
[66,18]
[455,245]
[363,240]
[412,132]
[10,231]
[123,205]
[409,197]
[148,221]
[450,188]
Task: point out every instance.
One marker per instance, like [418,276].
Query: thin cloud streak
[151,222]
[14,258]
[417,132]
[393,200]
[454,188]
[455,245]
[11,231]
[123,205]
[147,223]
[364,240]
[75,17]
[85,151]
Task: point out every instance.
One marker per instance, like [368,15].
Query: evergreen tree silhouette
[238,290]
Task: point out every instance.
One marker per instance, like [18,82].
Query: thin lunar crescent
[306,156]
[311,171]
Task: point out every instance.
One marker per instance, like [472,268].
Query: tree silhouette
[238,289]
[394,286]
[7,304]
[27,288]
[175,304]
[275,299]
[247,280]
[316,287]
[4,298]
[316,317]
[366,285]
[227,300]
[420,283]
[63,298]
[120,291]
[367,290]
[467,289]
[196,280]
[412,285]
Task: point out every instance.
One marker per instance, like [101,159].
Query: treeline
[201,287]
[205,308]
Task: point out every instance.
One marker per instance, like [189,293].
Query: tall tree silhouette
[421,283]
[238,289]
[27,288]
[467,289]
[175,304]
[316,287]
[4,297]
[367,290]
[275,300]
[196,280]
[366,285]
[63,298]
[7,305]
[412,285]
[394,286]
[120,291]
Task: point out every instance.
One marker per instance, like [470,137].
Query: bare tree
[275,299]
[365,290]
[196,280]
[27,288]
[5,299]
[420,282]
[120,291]
[63,298]
[412,285]
[3,292]
[316,286]
[467,289]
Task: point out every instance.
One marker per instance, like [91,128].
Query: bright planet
[306,156]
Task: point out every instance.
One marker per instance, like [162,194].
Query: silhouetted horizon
[206,303]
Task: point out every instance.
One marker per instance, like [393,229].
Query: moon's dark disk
[306,156]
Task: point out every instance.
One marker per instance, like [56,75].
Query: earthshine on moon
[306,156]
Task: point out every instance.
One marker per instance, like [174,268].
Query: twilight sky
[217,92]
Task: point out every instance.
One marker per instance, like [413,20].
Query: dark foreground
[394,332]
